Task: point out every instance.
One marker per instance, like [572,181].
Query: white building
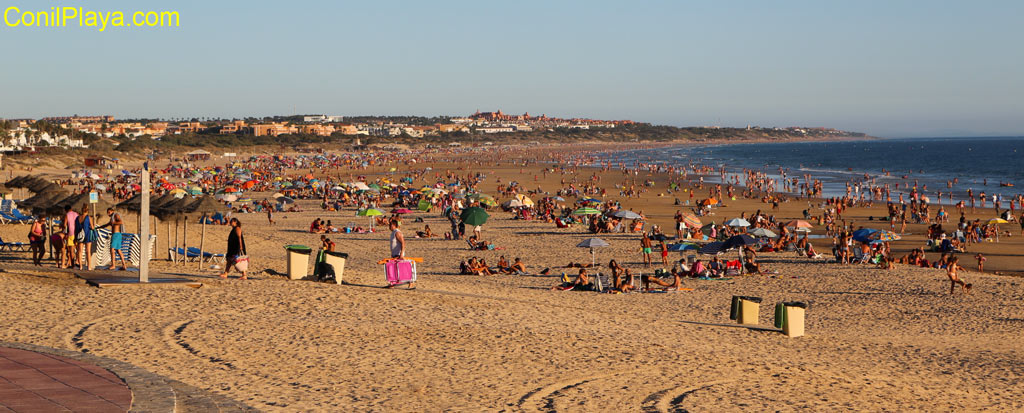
[322,119]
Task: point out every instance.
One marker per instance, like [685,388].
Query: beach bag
[242,263]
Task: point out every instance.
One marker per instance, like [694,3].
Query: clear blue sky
[890,68]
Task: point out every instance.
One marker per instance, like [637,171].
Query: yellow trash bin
[794,325]
[298,261]
[337,260]
[749,309]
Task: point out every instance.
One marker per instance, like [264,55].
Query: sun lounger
[207,256]
[8,218]
[12,246]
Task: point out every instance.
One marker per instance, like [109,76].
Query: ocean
[930,161]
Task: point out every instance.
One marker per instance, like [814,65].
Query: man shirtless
[116,238]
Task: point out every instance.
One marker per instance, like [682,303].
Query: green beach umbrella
[370,212]
[474,216]
[586,211]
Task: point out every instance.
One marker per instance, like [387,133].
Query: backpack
[324,272]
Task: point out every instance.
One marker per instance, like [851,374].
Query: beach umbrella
[800,225]
[204,207]
[43,201]
[593,243]
[423,205]
[737,241]
[474,216]
[100,187]
[626,215]
[863,235]
[558,198]
[401,211]
[708,229]
[174,208]
[590,201]
[709,202]
[79,200]
[586,211]
[525,200]
[762,233]
[370,212]
[712,248]
[691,220]
[132,204]
[682,247]
[883,235]
[737,222]
[285,200]
[194,190]
[17,182]
[227,197]
[998,221]
[277,195]
[512,203]
[178,192]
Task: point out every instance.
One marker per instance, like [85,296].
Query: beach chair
[12,246]
[733,268]
[17,214]
[207,256]
[12,219]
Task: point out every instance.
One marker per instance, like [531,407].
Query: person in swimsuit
[645,249]
[951,271]
[116,238]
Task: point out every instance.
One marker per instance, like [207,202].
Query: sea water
[980,164]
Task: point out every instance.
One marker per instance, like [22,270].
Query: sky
[887,68]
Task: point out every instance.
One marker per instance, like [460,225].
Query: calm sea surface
[930,161]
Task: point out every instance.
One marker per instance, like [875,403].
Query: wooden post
[184,240]
[202,240]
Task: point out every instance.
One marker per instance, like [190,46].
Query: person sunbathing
[503,264]
[648,279]
[426,233]
[752,266]
[628,282]
[581,283]
[479,267]
[517,267]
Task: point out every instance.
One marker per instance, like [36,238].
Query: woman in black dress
[236,255]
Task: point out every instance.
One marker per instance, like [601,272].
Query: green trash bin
[298,261]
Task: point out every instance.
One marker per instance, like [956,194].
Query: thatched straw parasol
[204,207]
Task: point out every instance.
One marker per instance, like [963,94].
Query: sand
[876,340]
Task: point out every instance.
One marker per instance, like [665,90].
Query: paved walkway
[37,382]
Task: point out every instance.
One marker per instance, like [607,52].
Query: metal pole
[144,230]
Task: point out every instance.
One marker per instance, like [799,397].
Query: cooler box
[337,260]
[400,271]
[298,261]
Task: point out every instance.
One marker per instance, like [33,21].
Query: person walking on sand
[116,238]
[646,249]
[397,244]
[951,270]
[237,255]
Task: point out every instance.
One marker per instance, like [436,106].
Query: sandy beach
[877,340]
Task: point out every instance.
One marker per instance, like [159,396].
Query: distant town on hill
[133,135]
